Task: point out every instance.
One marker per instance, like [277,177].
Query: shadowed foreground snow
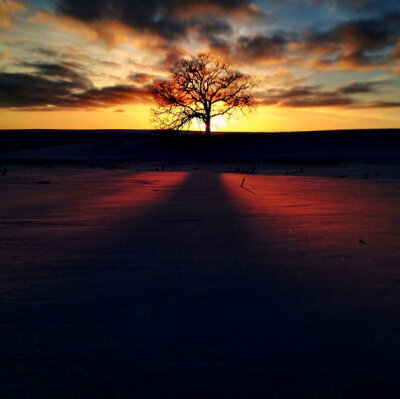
[163,284]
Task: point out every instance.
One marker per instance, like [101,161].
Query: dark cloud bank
[53,86]
[170,19]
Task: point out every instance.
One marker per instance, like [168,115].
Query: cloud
[169,19]
[165,27]
[356,5]
[213,31]
[318,101]
[359,44]
[159,27]
[142,77]
[59,71]
[5,54]
[304,96]
[142,16]
[55,86]
[52,86]
[26,90]
[167,30]
[359,87]
[8,9]
[314,96]
[45,51]
[110,96]
[171,56]
[236,8]
[69,52]
[258,48]
[395,53]
[110,32]
[379,104]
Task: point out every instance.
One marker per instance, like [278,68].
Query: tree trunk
[208,128]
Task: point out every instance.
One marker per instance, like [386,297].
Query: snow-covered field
[167,284]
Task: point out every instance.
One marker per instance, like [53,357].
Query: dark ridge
[152,146]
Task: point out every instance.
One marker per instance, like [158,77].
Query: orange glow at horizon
[263,119]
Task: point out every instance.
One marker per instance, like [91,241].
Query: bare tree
[201,88]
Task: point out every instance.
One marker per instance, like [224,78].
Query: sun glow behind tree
[201,89]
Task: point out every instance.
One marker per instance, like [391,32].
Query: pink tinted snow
[321,218]
[84,199]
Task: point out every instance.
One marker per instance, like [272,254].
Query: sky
[84,64]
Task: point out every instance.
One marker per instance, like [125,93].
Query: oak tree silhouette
[201,88]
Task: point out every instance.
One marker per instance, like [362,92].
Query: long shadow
[183,303]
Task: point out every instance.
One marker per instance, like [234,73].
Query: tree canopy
[201,88]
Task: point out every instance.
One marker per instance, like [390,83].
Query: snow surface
[138,284]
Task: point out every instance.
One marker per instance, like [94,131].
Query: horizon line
[198,132]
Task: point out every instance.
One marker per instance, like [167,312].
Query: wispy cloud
[315,96]
[8,11]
